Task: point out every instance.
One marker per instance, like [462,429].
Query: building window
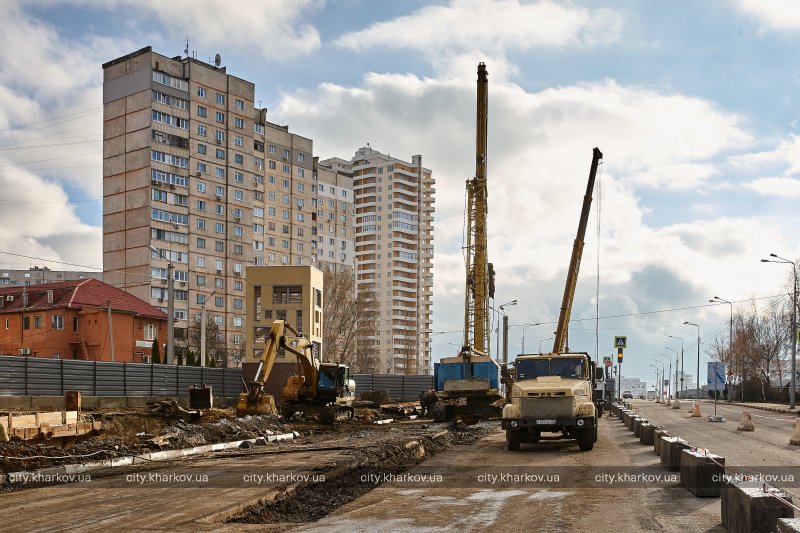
[201,186]
[218,301]
[201,281]
[239,122]
[57,321]
[75,324]
[201,242]
[238,159]
[201,111]
[237,303]
[201,130]
[37,321]
[201,149]
[201,205]
[220,117]
[149,332]
[201,92]
[220,153]
[220,98]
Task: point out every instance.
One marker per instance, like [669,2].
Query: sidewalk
[774,407]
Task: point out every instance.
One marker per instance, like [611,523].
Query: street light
[203,329]
[687,323]
[669,388]
[676,365]
[541,341]
[794,321]
[170,306]
[655,388]
[505,331]
[717,299]
[523,334]
[661,383]
[675,387]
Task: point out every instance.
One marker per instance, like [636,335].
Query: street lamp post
[505,331]
[542,340]
[717,299]
[203,329]
[523,334]
[794,323]
[675,387]
[697,378]
[663,371]
[669,387]
[657,388]
[170,306]
[676,366]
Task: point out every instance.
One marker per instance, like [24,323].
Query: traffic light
[619,355]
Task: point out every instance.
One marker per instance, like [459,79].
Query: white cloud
[783,15]
[775,186]
[498,25]
[538,162]
[268,28]
[785,157]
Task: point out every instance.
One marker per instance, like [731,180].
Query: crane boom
[560,340]
[476,305]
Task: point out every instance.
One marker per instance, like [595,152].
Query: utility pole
[110,330]
[793,333]
[170,306]
[505,339]
[676,367]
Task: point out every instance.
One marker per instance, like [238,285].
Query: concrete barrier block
[671,449]
[646,434]
[701,473]
[637,426]
[658,437]
[746,507]
[631,418]
[788,525]
[15,402]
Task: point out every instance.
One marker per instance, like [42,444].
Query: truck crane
[553,392]
[469,382]
[320,388]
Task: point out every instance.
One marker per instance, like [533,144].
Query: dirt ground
[391,456]
[129,432]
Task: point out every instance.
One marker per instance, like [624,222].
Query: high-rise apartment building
[334,214]
[191,167]
[394,253]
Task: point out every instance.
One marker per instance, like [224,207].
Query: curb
[771,409]
[55,471]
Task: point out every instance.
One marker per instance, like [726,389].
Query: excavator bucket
[263,404]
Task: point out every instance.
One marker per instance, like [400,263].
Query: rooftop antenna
[186,50]
[217,60]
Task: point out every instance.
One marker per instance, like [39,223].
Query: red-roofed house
[70,320]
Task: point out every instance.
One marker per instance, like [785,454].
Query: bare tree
[349,314]
[214,345]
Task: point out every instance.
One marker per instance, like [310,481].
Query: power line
[85,111]
[45,160]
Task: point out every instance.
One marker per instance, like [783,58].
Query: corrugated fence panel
[12,375]
[79,375]
[164,381]
[44,377]
[110,379]
[51,377]
[187,377]
[137,379]
[401,388]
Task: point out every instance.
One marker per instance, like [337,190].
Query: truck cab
[552,393]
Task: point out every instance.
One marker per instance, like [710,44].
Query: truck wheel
[586,438]
[513,439]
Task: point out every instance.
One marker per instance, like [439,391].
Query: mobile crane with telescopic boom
[553,392]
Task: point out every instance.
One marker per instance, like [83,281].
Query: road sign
[620,342]
[716,376]
[607,361]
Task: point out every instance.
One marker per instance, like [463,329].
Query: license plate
[546,421]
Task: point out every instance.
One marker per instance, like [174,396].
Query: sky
[694,105]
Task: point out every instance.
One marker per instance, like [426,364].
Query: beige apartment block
[290,293]
[335,231]
[394,253]
[191,167]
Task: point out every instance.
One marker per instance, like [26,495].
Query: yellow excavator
[319,388]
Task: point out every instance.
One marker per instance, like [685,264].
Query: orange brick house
[70,320]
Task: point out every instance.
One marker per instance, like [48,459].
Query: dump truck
[554,392]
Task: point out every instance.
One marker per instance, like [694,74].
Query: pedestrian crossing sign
[620,342]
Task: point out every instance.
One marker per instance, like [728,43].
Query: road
[768,445]
[576,503]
